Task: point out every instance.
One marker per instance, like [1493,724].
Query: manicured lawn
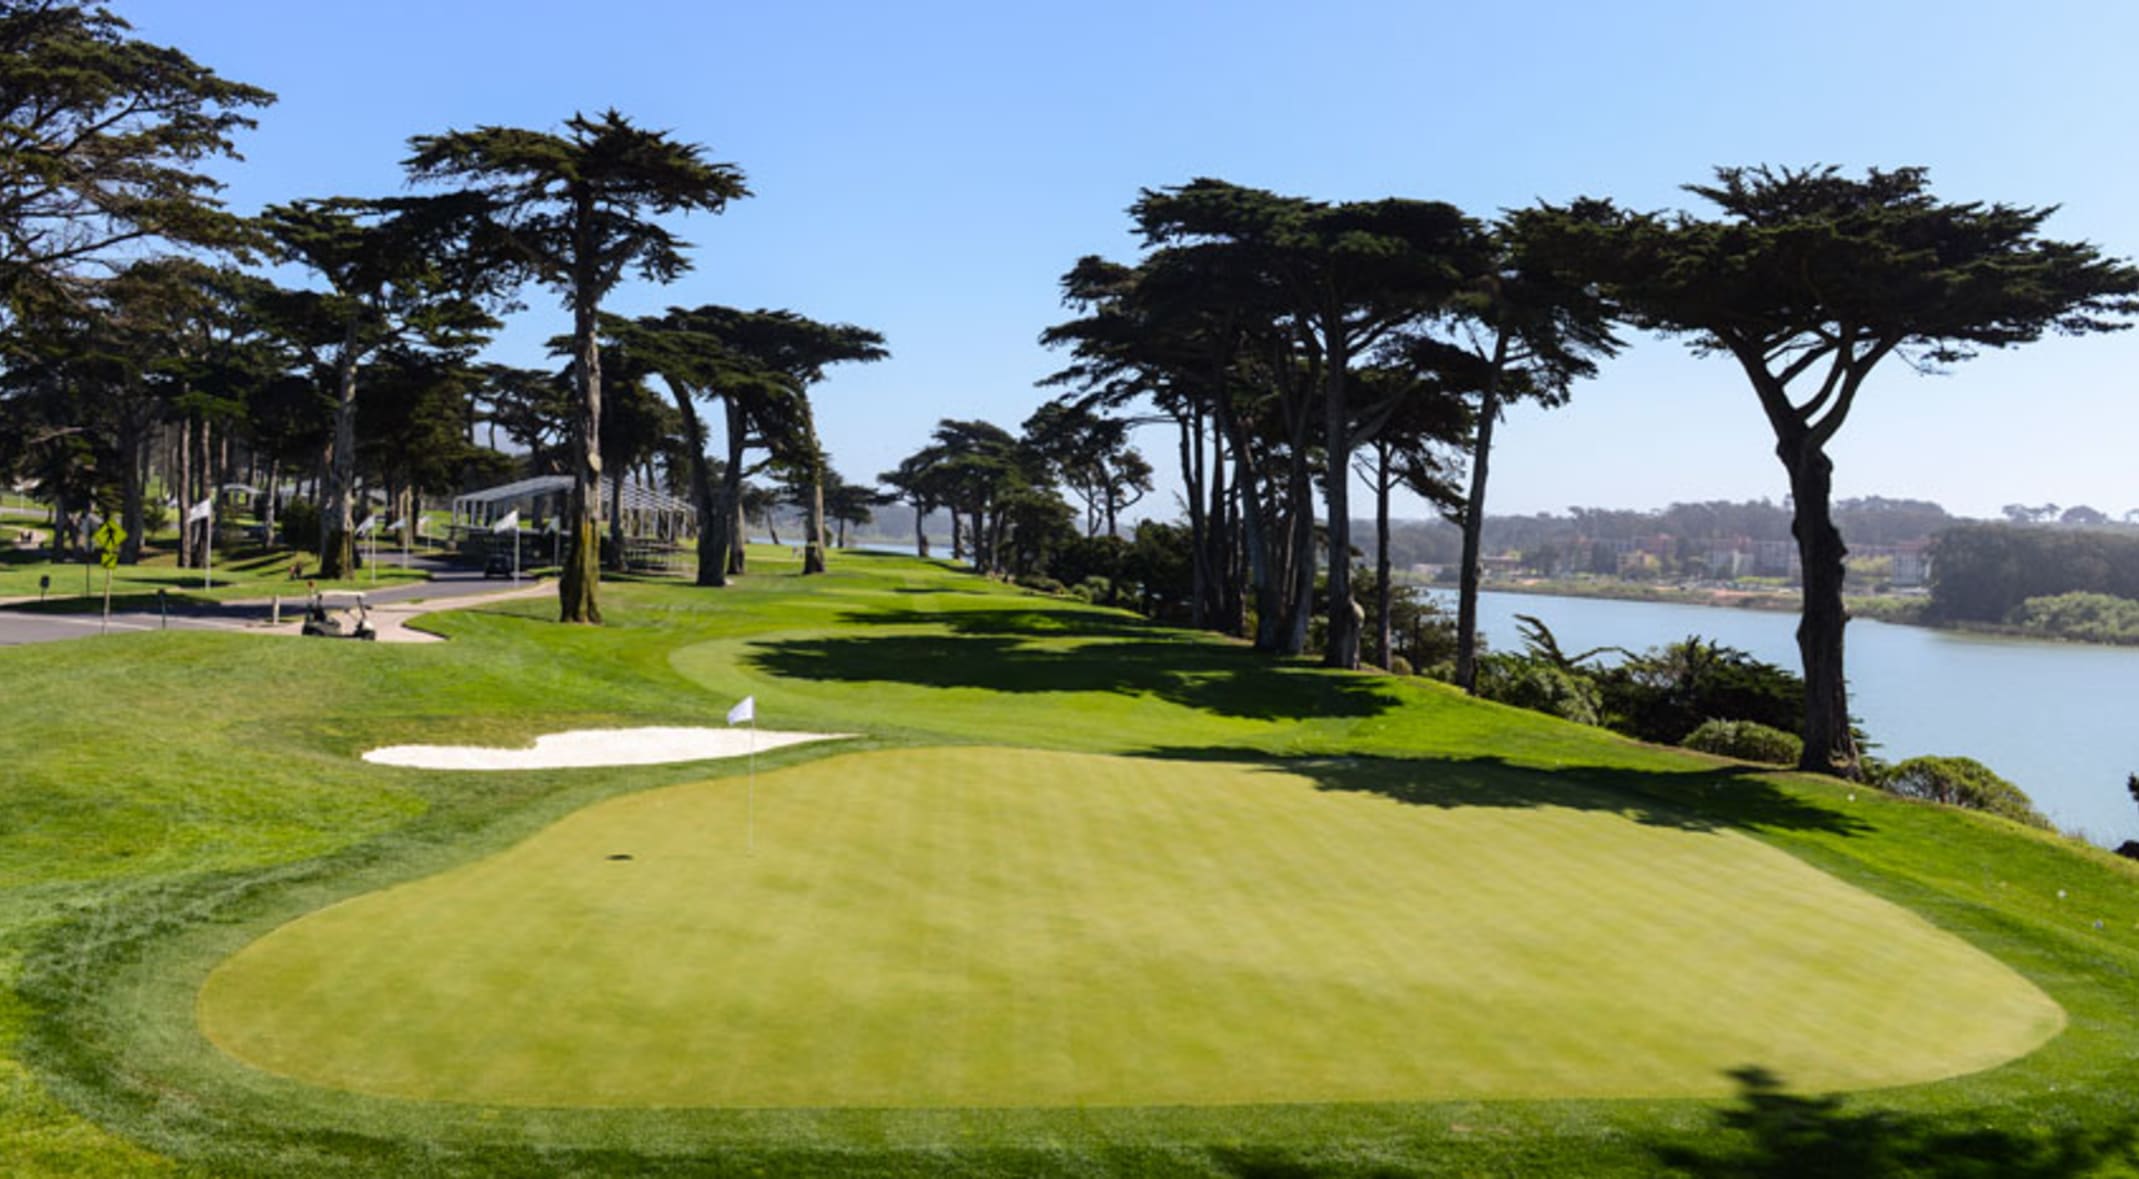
[1479,907]
[249,574]
[979,926]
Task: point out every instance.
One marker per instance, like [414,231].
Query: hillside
[1308,850]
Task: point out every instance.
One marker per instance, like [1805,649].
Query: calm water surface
[2057,719]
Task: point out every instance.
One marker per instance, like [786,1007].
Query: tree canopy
[578,210]
[1808,279]
[101,136]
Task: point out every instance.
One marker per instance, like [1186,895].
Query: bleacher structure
[658,527]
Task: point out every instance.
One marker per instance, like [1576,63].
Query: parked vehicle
[353,623]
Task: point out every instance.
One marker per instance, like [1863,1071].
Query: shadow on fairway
[1773,1133]
[1227,681]
[1695,800]
[1026,622]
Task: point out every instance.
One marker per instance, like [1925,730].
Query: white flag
[365,528]
[398,525]
[746,711]
[201,511]
[509,522]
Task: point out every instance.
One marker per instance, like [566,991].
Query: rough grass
[171,798]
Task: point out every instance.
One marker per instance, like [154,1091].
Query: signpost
[108,539]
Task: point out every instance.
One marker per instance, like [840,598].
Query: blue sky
[930,170]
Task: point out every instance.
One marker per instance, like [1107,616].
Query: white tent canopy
[648,512]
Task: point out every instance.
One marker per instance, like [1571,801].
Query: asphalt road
[447,581]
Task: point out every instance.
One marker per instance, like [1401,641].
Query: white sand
[595,747]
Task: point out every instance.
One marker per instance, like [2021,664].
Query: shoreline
[1888,609]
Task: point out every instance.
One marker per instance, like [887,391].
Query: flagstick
[751,797]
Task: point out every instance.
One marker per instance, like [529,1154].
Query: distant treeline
[1873,520]
[1986,572]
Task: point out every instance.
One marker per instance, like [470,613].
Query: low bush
[1963,782]
[1664,694]
[1746,741]
[1537,685]
[299,525]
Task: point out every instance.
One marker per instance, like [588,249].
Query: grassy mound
[977,927]
[171,799]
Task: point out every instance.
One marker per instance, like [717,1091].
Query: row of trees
[1003,491]
[138,335]
[1293,341]
[1869,520]
[1984,572]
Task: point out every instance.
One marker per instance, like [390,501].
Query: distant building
[1912,564]
[1729,564]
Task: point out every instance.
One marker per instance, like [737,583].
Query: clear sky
[930,170]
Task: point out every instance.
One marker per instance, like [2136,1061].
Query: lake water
[2056,719]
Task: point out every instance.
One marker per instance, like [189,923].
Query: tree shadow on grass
[1030,622]
[1226,681]
[1771,1133]
[1718,799]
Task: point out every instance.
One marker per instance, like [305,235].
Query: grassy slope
[171,796]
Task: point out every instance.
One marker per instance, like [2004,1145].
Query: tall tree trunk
[1262,571]
[1218,539]
[813,524]
[203,471]
[1300,605]
[1199,574]
[579,588]
[1830,748]
[617,560]
[272,495]
[133,445]
[731,483]
[1382,638]
[1342,648]
[1474,523]
[920,532]
[712,537]
[958,540]
[182,488]
[337,549]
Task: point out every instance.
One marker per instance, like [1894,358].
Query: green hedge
[1746,741]
[1963,782]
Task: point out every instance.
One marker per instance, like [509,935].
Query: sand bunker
[594,747]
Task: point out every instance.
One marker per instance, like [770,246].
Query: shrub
[1539,686]
[299,525]
[1094,589]
[1963,782]
[1664,694]
[1746,741]
[1398,665]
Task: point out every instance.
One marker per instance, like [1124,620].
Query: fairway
[989,927]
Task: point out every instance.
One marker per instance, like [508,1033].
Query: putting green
[974,927]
